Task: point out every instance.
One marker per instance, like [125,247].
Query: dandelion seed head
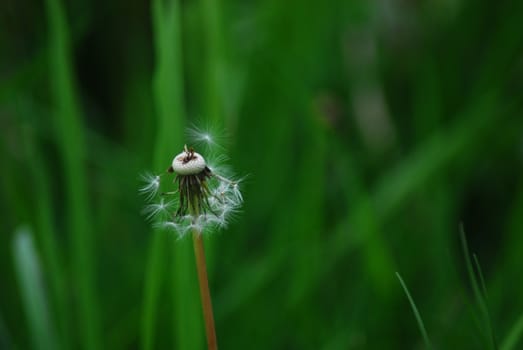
[206,197]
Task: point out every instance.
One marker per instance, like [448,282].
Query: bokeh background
[369,131]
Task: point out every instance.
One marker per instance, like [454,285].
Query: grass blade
[29,274]
[70,141]
[168,92]
[46,237]
[5,339]
[480,298]
[512,339]
[214,62]
[484,305]
[416,313]
[153,279]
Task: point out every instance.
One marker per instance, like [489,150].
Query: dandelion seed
[216,162]
[177,228]
[158,209]
[203,137]
[151,185]
[237,193]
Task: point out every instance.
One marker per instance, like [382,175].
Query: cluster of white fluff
[222,200]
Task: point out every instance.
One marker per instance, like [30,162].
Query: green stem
[205,294]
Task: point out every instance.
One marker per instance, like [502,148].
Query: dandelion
[201,196]
[203,199]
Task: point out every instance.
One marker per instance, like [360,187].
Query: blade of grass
[214,63]
[484,305]
[47,237]
[416,313]
[309,198]
[70,140]
[476,289]
[470,271]
[153,280]
[513,336]
[5,339]
[169,104]
[29,275]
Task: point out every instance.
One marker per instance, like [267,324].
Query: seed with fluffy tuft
[151,186]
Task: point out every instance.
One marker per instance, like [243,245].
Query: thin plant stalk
[205,294]
[203,280]
[421,325]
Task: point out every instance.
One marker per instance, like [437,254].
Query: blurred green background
[369,131]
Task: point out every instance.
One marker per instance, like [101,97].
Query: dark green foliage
[368,130]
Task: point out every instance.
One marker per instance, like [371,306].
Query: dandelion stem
[205,294]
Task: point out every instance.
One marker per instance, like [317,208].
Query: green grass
[514,335]
[419,320]
[70,138]
[29,272]
[45,223]
[480,292]
[367,133]
[168,95]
